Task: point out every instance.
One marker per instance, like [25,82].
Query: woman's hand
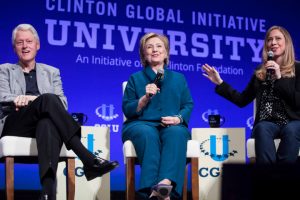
[23,100]
[272,65]
[151,89]
[212,74]
[169,120]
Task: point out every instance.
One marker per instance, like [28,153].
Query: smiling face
[26,47]
[155,52]
[276,42]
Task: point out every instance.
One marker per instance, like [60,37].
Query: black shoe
[162,190]
[99,168]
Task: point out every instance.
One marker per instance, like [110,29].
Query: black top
[31,83]
[271,107]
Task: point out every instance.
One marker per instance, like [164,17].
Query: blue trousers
[161,153]
[265,132]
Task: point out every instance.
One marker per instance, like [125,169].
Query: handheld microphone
[270,72]
[158,77]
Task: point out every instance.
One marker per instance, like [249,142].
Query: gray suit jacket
[12,83]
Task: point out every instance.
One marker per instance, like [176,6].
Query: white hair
[24,27]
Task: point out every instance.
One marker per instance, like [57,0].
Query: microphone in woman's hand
[270,72]
[159,76]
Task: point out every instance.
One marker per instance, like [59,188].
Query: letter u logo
[213,148]
[90,142]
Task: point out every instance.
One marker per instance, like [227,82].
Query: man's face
[26,46]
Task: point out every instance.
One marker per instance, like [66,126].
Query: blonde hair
[287,67]
[143,41]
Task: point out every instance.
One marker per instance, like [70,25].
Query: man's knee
[49,97]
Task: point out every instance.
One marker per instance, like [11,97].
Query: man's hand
[23,100]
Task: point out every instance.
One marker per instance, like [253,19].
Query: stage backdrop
[95,45]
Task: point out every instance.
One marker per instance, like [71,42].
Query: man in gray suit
[34,105]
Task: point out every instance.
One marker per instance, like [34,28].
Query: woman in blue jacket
[158,109]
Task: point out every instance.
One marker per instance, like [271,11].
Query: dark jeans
[47,120]
[265,132]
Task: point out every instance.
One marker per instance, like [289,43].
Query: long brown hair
[287,67]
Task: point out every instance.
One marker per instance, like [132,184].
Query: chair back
[124,84]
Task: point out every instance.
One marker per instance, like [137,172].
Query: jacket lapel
[20,77]
[40,78]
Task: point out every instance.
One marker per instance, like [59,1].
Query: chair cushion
[193,150]
[23,146]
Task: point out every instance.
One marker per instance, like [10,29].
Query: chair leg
[70,178]
[9,177]
[130,178]
[195,178]
[184,192]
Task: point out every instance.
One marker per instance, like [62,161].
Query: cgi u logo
[106,112]
[250,122]
[90,142]
[213,148]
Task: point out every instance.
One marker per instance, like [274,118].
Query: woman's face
[276,43]
[155,51]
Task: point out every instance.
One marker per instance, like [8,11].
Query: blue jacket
[174,98]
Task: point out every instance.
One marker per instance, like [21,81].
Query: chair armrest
[193,149]
[128,150]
